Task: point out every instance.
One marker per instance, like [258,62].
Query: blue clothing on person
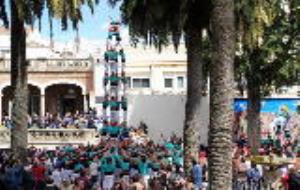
[14,177]
[197,175]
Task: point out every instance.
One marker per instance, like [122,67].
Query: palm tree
[18,83]
[25,12]
[156,21]
[222,93]
[196,81]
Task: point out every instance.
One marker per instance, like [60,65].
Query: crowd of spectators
[278,163]
[56,121]
[129,161]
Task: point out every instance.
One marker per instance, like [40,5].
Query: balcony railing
[53,137]
[52,65]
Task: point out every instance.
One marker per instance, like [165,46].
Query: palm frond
[3,13]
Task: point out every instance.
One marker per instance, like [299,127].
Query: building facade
[69,77]
[62,80]
[59,81]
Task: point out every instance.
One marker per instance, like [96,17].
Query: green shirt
[155,165]
[169,146]
[125,166]
[143,167]
[114,130]
[111,103]
[111,55]
[78,167]
[113,78]
[108,167]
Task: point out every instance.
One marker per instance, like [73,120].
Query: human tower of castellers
[126,159]
[115,103]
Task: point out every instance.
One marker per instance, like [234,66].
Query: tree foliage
[162,22]
[65,10]
[269,38]
[268,56]
[159,22]
[3,13]
[153,20]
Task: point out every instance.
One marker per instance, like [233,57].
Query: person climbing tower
[114,82]
[114,30]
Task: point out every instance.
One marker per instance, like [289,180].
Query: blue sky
[93,27]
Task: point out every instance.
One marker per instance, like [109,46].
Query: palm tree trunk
[253,114]
[222,94]
[19,84]
[195,85]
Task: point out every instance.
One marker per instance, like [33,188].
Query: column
[85,103]
[42,105]
[0,107]
[9,108]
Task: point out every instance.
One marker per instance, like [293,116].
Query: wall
[270,108]
[164,114]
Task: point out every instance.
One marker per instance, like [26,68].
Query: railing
[52,65]
[53,137]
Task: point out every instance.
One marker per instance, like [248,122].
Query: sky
[93,28]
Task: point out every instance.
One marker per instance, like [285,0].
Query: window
[180,82]
[141,83]
[168,83]
[76,63]
[128,82]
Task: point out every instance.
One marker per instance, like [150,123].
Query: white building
[151,72]
[79,75]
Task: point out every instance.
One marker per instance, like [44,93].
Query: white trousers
[108,182]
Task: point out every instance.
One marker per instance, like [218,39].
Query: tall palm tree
[197,20]
[18,83]
[222,93]
[25,12]
[156,21]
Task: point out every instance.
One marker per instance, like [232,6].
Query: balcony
[50,138]
[52,65]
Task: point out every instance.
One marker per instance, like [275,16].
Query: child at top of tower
[114,30]
[114,26]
